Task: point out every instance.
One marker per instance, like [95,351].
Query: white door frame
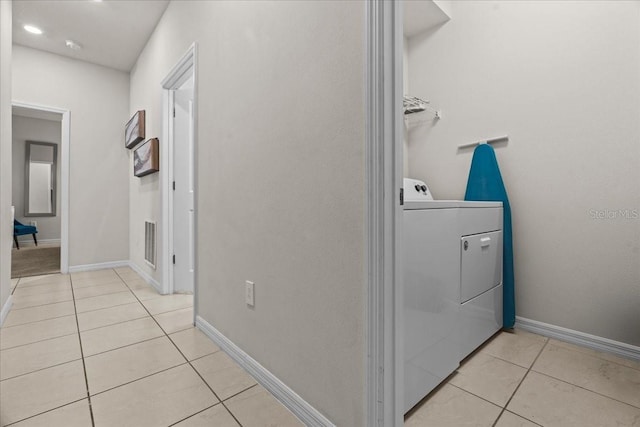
[65,146]
[385,373]
[184,68]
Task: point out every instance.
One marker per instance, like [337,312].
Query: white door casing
[185,70]
[65,147]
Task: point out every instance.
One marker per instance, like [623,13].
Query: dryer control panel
[416,190]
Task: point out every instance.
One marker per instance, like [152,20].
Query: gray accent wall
[280,184]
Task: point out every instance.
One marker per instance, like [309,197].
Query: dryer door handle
[485,241]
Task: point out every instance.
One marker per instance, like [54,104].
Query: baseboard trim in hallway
[150,280]
[579,338]
[98,266]
[298,406]
[5,309]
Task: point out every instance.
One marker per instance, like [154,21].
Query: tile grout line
[41,369]
[193,415]
[586,389]
[45,412]
[115,323]
[104,308]
[29,286]
[188,362]
[36,306]
[137,379]
[221,402]
[14,287]
[473,394]
[585,352]
[504,408]
[42,305]
[100,295]
[123,346]
[84,365]
[22,294]
[36,321]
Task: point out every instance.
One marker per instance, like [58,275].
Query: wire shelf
[413,104]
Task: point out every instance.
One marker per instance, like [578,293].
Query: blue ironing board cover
[485,184]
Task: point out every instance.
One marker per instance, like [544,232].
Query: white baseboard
[43,242]
[97,266]
[579,338]
[298,406]
[150,280]
[5,309]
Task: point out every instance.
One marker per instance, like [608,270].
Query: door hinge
[174,186]
[401,196]
[174,112]
[174,259]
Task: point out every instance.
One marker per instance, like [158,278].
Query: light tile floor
[103,348]
[525,380]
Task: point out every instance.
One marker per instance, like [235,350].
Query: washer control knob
[417,188]
[424,188]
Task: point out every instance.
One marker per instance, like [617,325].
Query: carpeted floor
[32,261]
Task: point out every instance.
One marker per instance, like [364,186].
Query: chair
[20,229]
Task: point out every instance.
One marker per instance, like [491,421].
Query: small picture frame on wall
[146,158]
[134,130]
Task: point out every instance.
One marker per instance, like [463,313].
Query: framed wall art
[146,158]
[134,130]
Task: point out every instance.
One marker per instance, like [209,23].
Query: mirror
[40,179]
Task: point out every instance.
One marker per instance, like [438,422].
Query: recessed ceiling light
[32,29]
[72,45]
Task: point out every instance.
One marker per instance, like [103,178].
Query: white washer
[452,284]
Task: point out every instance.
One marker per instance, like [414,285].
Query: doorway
[40,144]
[183,191]
[178,157]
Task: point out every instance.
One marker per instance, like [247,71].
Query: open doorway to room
[39,190]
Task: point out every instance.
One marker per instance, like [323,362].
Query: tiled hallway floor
[103,348]
[525,380]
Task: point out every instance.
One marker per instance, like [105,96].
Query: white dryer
[452,284]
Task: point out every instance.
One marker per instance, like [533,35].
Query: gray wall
[97,98]
[280,183]
[6,233]
[561,79]
[32,129]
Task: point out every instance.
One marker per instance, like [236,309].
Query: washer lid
[448,204]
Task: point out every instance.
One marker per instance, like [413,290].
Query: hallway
[103,348]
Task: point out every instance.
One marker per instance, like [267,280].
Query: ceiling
[111,32]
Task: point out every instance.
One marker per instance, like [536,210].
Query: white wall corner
[298,406]
[5,309]
[579,338]
[150,280]
[97,266]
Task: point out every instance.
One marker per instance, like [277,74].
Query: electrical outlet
[249,289]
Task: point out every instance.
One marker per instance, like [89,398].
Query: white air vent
[150,243]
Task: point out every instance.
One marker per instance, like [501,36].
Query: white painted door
[183,193]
